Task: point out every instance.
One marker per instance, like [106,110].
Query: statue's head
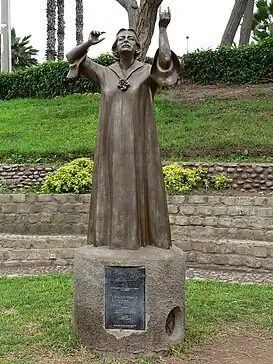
[126,42]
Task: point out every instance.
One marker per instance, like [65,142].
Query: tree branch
[124,3]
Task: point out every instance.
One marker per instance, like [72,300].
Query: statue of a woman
[128,201]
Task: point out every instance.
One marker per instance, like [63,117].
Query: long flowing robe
[128,200]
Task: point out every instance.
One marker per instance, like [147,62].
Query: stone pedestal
[142,314]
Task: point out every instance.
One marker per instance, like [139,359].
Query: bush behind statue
[247,64]
[76,177]
[231,65]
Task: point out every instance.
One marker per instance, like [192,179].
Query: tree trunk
[51,30]
[246,26]
[146,23]
[142,19]
[234,21]
[61,29]
[79,21]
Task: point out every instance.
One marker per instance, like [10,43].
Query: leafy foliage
[179,179]
[263,20]
[220,182]
[73,177]
[22,52]
[76,177]
[47,80]
[247,64]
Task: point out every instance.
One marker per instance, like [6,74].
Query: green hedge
[248,64]
[47,81]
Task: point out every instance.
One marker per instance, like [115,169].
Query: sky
[202,21]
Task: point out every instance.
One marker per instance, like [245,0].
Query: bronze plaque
[125,298]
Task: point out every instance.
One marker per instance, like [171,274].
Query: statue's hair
[114,47]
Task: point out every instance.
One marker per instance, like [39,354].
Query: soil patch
[239,345]
[240,92]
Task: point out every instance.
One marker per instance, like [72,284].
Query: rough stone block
[186,209]
[5,198]
[260,201]
[213,200]
[30,198]
[65,198]
[173,209]
[197,199]
[196,220]
[234,260]
[210,221]
[211,248]
[219,259]
[264,212]
[18,198]
[176,199]
[225,249]
[252,262]
[183,245]
[229,201]
[180,220]
[82,208]
[66,253]
[219,210]
[203,259]
[243,249]
[23,208]
[9,208]
[46,217]
[165,295]
[236,211]
[191,257]
[225,221]
[203,210]
[267,264]
[260,251]
[197,245]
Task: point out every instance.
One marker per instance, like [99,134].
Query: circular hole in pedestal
[174,324]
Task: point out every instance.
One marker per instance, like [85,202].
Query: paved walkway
[192,273]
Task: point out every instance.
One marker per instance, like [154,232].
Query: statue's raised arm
[166,66]
[80,64]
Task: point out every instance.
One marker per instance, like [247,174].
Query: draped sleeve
[86,67]
[165,77]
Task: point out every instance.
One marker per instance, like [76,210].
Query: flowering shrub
[220,182]
[179,179]
[72,177]
[76,177]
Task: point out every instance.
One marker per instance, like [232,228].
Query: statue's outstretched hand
[164,18]
[94,37]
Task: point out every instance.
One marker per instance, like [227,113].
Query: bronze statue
[128,201]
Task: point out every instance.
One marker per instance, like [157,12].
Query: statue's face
[126,42]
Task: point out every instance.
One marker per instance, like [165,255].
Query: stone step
[228,253]
[58,250]
[38,250]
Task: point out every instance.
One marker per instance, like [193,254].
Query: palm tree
[263,20]
[22,52]
[79,21]
[51,30]
[61,29]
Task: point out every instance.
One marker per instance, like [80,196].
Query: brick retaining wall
[243,176]
[213,230]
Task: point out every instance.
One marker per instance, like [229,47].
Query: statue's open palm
[164,18]
[94,37]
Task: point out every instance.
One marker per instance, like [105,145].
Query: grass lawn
[36,315]
[68,125]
